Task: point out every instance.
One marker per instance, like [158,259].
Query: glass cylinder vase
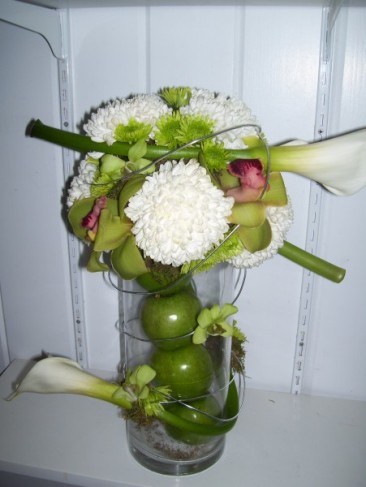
[157,330]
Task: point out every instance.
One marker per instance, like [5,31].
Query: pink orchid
[252,180]
[91,220]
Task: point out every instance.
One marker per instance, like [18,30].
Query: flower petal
[58,375]
[339,164]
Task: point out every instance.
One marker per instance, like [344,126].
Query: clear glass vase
[157,330]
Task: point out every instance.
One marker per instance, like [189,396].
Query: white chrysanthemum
[225,112]
[280,219]
[80,185]
[178,214]
[143,108]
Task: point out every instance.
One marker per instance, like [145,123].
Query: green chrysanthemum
[132,132]
[101,185]
[169,126]
[194,127]
[176,97]
[214,155]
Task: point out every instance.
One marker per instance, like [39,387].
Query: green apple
[207,405]
[167,287]
[167,317]
[188,370]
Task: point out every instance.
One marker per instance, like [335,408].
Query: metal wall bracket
[329,17]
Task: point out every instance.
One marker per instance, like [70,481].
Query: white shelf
[280,440]
[133,3]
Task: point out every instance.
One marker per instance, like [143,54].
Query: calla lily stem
[312,263]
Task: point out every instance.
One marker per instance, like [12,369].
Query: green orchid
[212,321]
[137,380]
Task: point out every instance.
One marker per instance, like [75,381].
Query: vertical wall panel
[109,60]
[280,72]
[35,288]
[335,363]
[193,46]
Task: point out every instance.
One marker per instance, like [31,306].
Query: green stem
[312,263]
[220,428]
[82,143]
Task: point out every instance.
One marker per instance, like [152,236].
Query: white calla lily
[339,163]
[62,375]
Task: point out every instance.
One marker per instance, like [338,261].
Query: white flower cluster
[80,185]
[178,213]
[225,112]
[280,218]
[143,108]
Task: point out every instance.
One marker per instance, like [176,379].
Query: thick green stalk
[312,263]
[82,143]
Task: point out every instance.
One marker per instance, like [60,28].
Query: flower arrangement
[172,185]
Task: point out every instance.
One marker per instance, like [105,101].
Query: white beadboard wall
[267,55]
